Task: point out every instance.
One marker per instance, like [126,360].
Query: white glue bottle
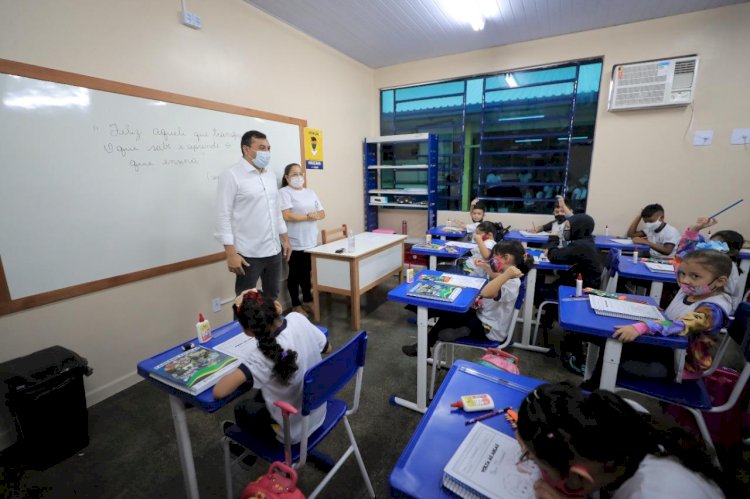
[473,403]
[350,244]
[606,230]
[635,255]
[409,274]
[579,285]
[203,328]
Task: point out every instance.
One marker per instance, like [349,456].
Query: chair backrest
[614,261]
[328,235]
[521,294]
[738,329]
[331,374]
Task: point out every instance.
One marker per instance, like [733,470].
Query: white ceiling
[381,33]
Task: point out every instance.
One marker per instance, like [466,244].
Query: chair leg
[360,462]
[227,467]
[436,351]
[705,434]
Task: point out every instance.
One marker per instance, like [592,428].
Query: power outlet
[216,305]
[191,19]
[740,136]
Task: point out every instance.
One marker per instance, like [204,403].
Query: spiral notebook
[486,466]
[624,309]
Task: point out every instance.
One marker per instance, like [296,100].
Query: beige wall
[642,157]
[241,57]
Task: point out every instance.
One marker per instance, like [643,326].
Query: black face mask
[560,218]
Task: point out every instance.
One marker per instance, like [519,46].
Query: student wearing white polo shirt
[301,210]
[658,235]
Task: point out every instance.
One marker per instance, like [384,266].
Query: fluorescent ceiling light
[473,12]
[521,118]
[523,141]
[510,80]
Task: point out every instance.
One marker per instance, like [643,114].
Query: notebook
[485,466]
[194,370]
[624,309]
[461,244]
[462,281]
[659,267]
[434,291]
[621,241]
[435,247]
[526,233]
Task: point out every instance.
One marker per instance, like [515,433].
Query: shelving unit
[400,172]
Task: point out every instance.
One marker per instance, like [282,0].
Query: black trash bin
[44,393]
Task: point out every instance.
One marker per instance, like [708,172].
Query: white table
[375,258]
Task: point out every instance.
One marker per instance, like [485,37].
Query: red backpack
[280,482]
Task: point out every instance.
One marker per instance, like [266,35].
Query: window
[514,139]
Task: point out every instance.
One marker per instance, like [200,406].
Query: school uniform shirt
[300,335]
[700,322]
[496,313]
[665,477]
[248,214]
[470,267]
[302,235]
[470,228]
[667,235]
[554,228]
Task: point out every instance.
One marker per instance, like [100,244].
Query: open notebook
[486,466]
[624,309]
[664,268]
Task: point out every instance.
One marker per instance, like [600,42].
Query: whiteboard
[97,184]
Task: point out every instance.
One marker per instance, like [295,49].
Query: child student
[592,443]
[658,235]
[699,311]
[726,241]
[579,251]
[491,317]
[275,366]
[561,212]
[484,237]
[476,212]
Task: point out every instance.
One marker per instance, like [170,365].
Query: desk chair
[692,394]
[612,260]
[614,263]
[469,342]
[330,235]
[322,382]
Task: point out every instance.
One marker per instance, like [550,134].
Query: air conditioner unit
[647,84]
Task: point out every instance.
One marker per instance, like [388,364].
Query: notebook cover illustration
[191,370]
[434,291]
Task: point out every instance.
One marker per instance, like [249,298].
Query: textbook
[453,230]
[431,290]
[624,309]
[486,466]
[664,268]
[435,247]
[462,281]
[194,370]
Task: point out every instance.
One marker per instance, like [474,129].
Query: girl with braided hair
[285,348]
[597,445]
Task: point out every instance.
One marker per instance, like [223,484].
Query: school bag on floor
[494,357]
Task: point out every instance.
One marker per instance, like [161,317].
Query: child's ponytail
[257,314]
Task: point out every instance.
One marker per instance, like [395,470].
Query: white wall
[641,157]
[241,57]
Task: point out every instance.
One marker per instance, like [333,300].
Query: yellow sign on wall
[313,149]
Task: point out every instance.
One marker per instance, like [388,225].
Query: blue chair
[692,394]
[322,382]
[469,342]
[614,263]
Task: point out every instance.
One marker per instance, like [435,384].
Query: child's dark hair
[257,314]
[479,205]
[496,229]
[719,263]
[287,169]
[650,209]
[558,423]
[523,261]
[734,240]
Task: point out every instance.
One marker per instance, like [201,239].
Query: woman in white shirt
[301,210]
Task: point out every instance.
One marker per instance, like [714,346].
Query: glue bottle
[203,328]
[579,285]
[350,242]
[473,403]
[606,230]
[635,255]
[409,274]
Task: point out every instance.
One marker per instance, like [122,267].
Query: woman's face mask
[297,182]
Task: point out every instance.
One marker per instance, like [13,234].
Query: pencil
[484,416]
[725,209]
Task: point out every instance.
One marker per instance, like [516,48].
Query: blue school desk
[628,269]
[447,234]
[606,243]
[419,470]
[434,254]
[577,316]
[462,303]
[515,235]
[180,401]
[528,301]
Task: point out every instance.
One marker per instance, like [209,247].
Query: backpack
[279,482]
[494,357]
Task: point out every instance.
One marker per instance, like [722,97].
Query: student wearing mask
[658,235]
[249,222]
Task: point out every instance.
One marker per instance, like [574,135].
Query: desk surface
[606,242]
[461,304]
[204,400]
[545,264]
[515,235]
[458,253]
[364,242]
[419,470]
[439,232]
[577,315]
[639,270]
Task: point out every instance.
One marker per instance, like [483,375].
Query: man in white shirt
[249,222]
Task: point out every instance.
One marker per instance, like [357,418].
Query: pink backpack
[494,357]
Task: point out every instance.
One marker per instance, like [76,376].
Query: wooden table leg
[354,293]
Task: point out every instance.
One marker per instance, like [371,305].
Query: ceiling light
[510,80]
[473,12]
